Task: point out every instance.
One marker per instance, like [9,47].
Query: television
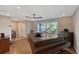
[38,34]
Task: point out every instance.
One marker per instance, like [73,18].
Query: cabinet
[4,45]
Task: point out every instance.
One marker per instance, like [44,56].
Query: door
[22,29]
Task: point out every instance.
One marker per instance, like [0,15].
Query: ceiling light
[18,7]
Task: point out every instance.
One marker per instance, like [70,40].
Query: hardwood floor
[71,50]
[21,46]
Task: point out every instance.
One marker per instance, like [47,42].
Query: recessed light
[18,7]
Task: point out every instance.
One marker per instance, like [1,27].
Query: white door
[22,29]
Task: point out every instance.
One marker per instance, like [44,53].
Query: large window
[47,27]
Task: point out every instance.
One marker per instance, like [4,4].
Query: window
[52,27]
[41,27]
[47,27]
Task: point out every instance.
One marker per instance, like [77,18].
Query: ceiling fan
[34,16]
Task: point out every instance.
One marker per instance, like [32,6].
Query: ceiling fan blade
[37,17]
[28,17]
[33,17]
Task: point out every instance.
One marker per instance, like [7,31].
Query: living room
[17,22]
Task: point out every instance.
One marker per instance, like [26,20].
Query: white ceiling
[46,11]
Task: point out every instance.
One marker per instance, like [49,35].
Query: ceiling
[46,11]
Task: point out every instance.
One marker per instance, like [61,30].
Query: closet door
[22,29]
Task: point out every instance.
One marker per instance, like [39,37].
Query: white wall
[65,23]
[5,23]
[76,29]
